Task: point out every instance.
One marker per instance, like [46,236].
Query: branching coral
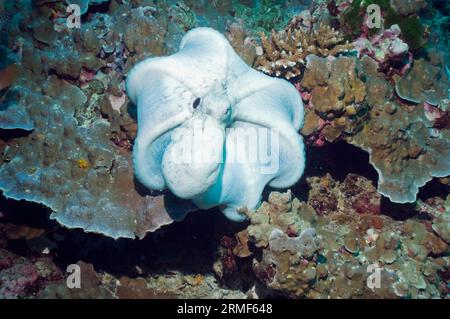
[284,52]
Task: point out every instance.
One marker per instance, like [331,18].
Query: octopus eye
[196,103]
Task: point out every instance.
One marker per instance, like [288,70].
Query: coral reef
[385,46]
[68,132]
[323,256]
[75,161]
[353,20]
[352,98]
[336,97]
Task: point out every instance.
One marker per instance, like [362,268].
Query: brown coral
[404,148]
[425,82]
[337,95]
[344,249]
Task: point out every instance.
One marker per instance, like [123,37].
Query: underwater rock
[204,98]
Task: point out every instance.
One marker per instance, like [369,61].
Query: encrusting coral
[284,52]
[425,82]
[298,253]
[406,149]
[76,158]
[336,96]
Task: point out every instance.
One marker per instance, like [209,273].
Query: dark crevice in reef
[7,135]
[339,159]
[23,212]
[188,246]
[95,8]
[431,189]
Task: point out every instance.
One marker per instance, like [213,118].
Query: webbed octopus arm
[275,104]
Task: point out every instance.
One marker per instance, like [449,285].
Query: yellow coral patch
[83,163]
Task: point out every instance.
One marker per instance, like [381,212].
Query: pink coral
[16,280]
[383,46]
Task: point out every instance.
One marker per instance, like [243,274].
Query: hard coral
[337,95]
[284,53]
[425,82]
[332,254]
[74,118]
[405,149]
